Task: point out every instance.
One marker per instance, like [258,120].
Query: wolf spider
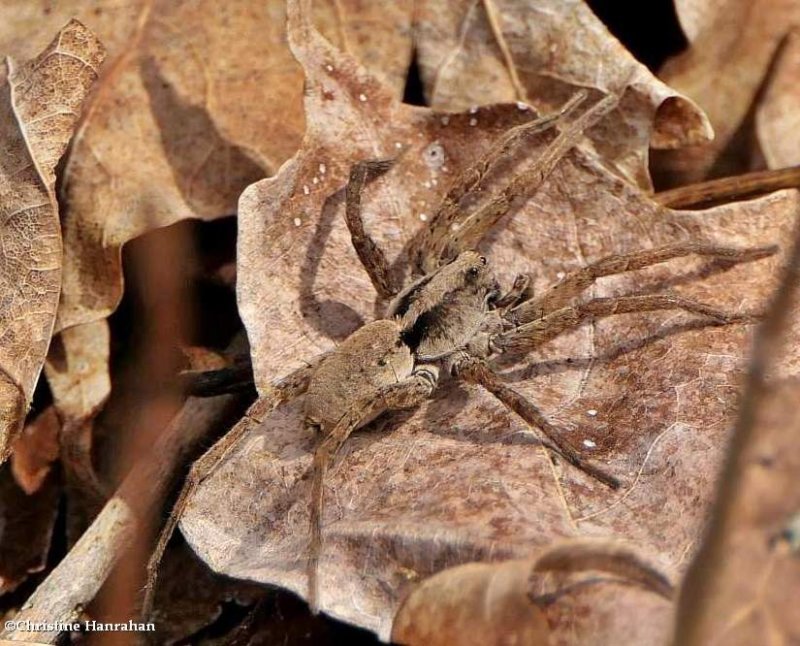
[454,320]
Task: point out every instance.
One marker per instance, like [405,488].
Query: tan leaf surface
[513,602]
[201,99]
[723,70]
[743,585]
[35,450]
[77,370]
[695,15]
[473,52]
[778,113]
[41,102]
[462,479]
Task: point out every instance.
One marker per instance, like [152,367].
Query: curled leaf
[724,71]
[540,52]
[497,603]
[40,102]
[35,450]
[778,114]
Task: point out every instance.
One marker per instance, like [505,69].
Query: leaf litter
[176,128]
[460,479]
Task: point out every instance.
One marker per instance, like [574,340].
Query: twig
[730,188]
[76,580]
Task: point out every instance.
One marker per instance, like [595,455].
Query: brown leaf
[474,52]
[743,584]
[199,101]
[78,375]
[77,370]
[41,102]
[476,603]
[461,479]
[778,113]
[35,450]
[200,358]
[695,15]
[724,70]
[503,603]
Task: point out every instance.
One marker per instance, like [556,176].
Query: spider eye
[473,271]
[483,260]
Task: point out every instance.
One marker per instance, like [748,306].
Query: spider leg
[408,393]
[288,388]
[515,294]
[370,254]
[476,371]
[531,335]
[575,282]
[432,239]
[466,232]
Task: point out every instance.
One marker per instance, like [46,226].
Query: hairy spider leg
[288,388]
[427,248]
[466,230]
[527,337]
[475,370]
[576,281]
[398,396]
[369,253]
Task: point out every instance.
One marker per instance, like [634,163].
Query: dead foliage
[164,201]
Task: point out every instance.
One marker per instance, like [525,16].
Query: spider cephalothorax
[428,321]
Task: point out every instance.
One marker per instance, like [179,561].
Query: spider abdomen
[372,357]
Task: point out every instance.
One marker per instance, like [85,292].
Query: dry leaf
[77,370]
[41,103]
[473,604]
[191,597]
[724,70]
[201,358]
[462,479]
[474,52]
[744,583]
[504,603]
[778,113]
[696,15]
[200,100]
[77,373]
[35,450]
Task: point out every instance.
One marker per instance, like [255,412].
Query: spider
[452,321]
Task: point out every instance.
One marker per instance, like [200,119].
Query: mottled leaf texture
[40,104]
[726,68]
[198,100]
[744,583]
[649,396]
[515,602]
[473,52]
